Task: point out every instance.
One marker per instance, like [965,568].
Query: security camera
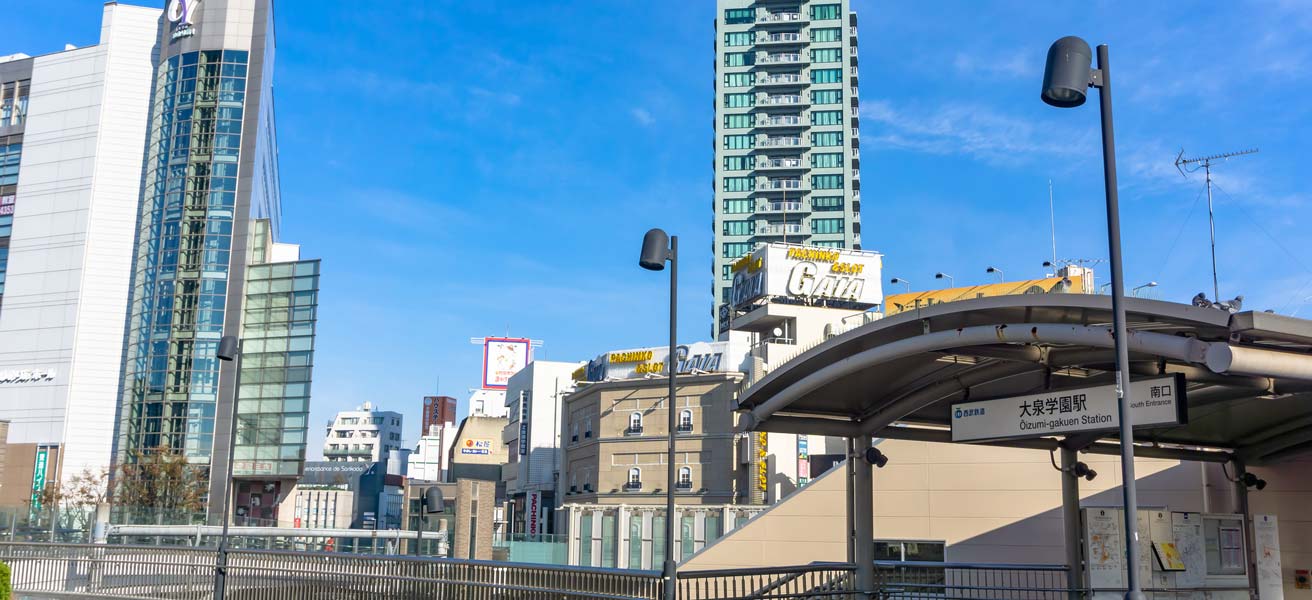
[1253,481]
[875,457]
[1082,470]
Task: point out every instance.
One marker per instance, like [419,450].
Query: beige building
[615,442]
[478,452]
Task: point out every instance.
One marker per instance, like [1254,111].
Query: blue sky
[480,168]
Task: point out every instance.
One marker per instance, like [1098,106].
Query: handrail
[957,565]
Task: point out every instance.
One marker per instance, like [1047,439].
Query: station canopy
[1248,375]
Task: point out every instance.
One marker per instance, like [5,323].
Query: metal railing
[911,580]
[136,572]
[820,580]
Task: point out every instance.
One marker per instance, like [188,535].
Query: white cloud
[643,116]
[971,130]
[1012,65]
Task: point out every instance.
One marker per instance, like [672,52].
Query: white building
[362,435]
[487,403]
[429,460]
[72,132]
[533,403]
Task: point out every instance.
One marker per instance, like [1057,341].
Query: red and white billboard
[503,357]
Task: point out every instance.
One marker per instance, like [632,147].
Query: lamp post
[1135,292]
[1066,77]
[897,280]
[658,247]
[996,270]
[229,351]
[951,282]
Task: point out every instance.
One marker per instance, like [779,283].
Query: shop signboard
[708,357]
[808,275]
[1155,402]
[503,357]
[476,446]
[39,476]
[533,513]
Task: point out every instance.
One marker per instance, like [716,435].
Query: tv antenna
[1182,164]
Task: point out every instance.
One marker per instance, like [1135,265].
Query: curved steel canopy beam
[1157,344]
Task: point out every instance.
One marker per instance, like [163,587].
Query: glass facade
[184,255]
[786,130]
[278,320]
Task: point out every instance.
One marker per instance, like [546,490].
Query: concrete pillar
[1070,514]
[850,474]
[1241,501]
[863,520]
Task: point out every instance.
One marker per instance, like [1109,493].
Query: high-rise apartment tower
[787,165]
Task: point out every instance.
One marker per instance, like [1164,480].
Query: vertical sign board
[803,461]
[533,513]
[1155,402]
[503,357]
[524,398]
[762,461]
[39,476]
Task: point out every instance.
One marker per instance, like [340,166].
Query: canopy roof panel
[1249,374]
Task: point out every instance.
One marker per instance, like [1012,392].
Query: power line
[1293,257]
[1178,234]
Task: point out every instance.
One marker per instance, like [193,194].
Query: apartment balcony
[779,38]
[778,229]
[349,452]
[790,79]
[633,430]
[779,142]
[779,58]
[773,18]
[781,121]
[683,486]
[633,486]
[780,207]
[787,162]
[781,100]
[776,185]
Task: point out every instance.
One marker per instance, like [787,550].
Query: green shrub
[5,590]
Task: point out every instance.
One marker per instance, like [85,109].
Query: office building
[532,438]
[786,144]
[362,435]
[73,125]
[429,461]
[487,403]
[439,411]
[210,192]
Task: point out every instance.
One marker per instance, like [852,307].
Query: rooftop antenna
[1182,165]
[1052,221]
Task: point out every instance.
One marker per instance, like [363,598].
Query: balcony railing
[789,229]
[633,430]
[349,452]
[777,142]
[785,121]
[782,184]
[781,207]
[633,486]
[782,99]
[683,486]
[780,163]
[778,17]
[780,38]
[786,58]
[780,79]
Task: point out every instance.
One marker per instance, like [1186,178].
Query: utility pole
[1052,222]
[1182,165]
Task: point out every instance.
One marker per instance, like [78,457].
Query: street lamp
[1135,291]
[1066,77]
[951,282]
[658,247]
[229,351]
[995,270]
[897,280]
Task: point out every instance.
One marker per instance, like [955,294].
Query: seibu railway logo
[182,14]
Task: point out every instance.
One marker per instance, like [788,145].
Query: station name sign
[1156,402]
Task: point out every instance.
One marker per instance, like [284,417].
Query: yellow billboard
[896,303]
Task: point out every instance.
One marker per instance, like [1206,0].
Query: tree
[160,483]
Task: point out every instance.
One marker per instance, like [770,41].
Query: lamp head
[228,348]
[939,276]
[433,501]
[895,280]
[1151,284]
[1066,76]
[990,270]
[1047,263]
[655,250]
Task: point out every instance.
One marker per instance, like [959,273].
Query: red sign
[298,522]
